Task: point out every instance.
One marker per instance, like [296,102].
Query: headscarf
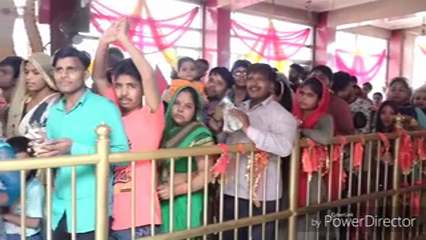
[171,129]
[43,63]
[313,117]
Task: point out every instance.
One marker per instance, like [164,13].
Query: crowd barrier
[368,190]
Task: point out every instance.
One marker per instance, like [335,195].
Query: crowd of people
[50,93]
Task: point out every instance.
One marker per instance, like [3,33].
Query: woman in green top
[184,128]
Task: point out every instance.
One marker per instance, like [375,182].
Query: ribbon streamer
[406,153]
[221,165]
[259,164]
[358,153]
[421,150]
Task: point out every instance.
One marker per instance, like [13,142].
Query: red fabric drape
[144,31]
[358,68]
[271,44]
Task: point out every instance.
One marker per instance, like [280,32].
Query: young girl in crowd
[184,128]
[310,107]
[34,200]
[186,75]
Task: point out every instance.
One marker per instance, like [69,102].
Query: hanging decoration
[270,44]
[145,31]
[423,49]
[358,68]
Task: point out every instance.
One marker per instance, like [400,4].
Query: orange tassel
[222,163]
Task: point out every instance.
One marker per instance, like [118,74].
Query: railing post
[102,182]
[294,189]
[396,177]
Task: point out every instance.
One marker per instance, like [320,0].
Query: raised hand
[123,30]
[111,33]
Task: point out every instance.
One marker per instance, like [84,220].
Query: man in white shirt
[273,130]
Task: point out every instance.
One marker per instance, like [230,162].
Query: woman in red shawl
[310,107]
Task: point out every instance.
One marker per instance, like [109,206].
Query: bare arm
[198,179]
[100,62]
[99,68]
[149,82]
[16,219]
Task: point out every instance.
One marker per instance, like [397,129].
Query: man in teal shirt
[71,130]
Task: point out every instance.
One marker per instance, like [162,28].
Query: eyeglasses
[240,73]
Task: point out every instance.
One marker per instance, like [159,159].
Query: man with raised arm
[132,81]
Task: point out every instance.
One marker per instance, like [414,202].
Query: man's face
[346,93]
[240,76]
[321,76]
[258,87]
[70,75]
[6,76]
[293,74]
[202,68]
[215,87]
[129,92]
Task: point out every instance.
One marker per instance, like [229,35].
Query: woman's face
[419,99]
[387,116]
[183,109]
[33,78]
[308,99]
[398,93]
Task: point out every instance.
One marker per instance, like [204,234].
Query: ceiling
[320,5]
[401,22]
[409,21]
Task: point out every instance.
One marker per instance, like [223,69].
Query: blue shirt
[79,125]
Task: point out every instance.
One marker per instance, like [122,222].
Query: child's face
[188,71]
[387,116]
[419,99]
[22,155]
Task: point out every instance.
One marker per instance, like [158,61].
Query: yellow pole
[294,189]
[102,181]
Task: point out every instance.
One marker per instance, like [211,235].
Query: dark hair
[379,94]
[225,74]
[379,124]
[340,81]
[114,56]
[240,63]
[368,85]
[315,85]
[354,79]
[14,62]
[299,69]
[180,62]
[203,61]
[126,67]
[402,80]
[67,52]
[20,145]
[358,91]
[263,69]
[281,88]
[324,70]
